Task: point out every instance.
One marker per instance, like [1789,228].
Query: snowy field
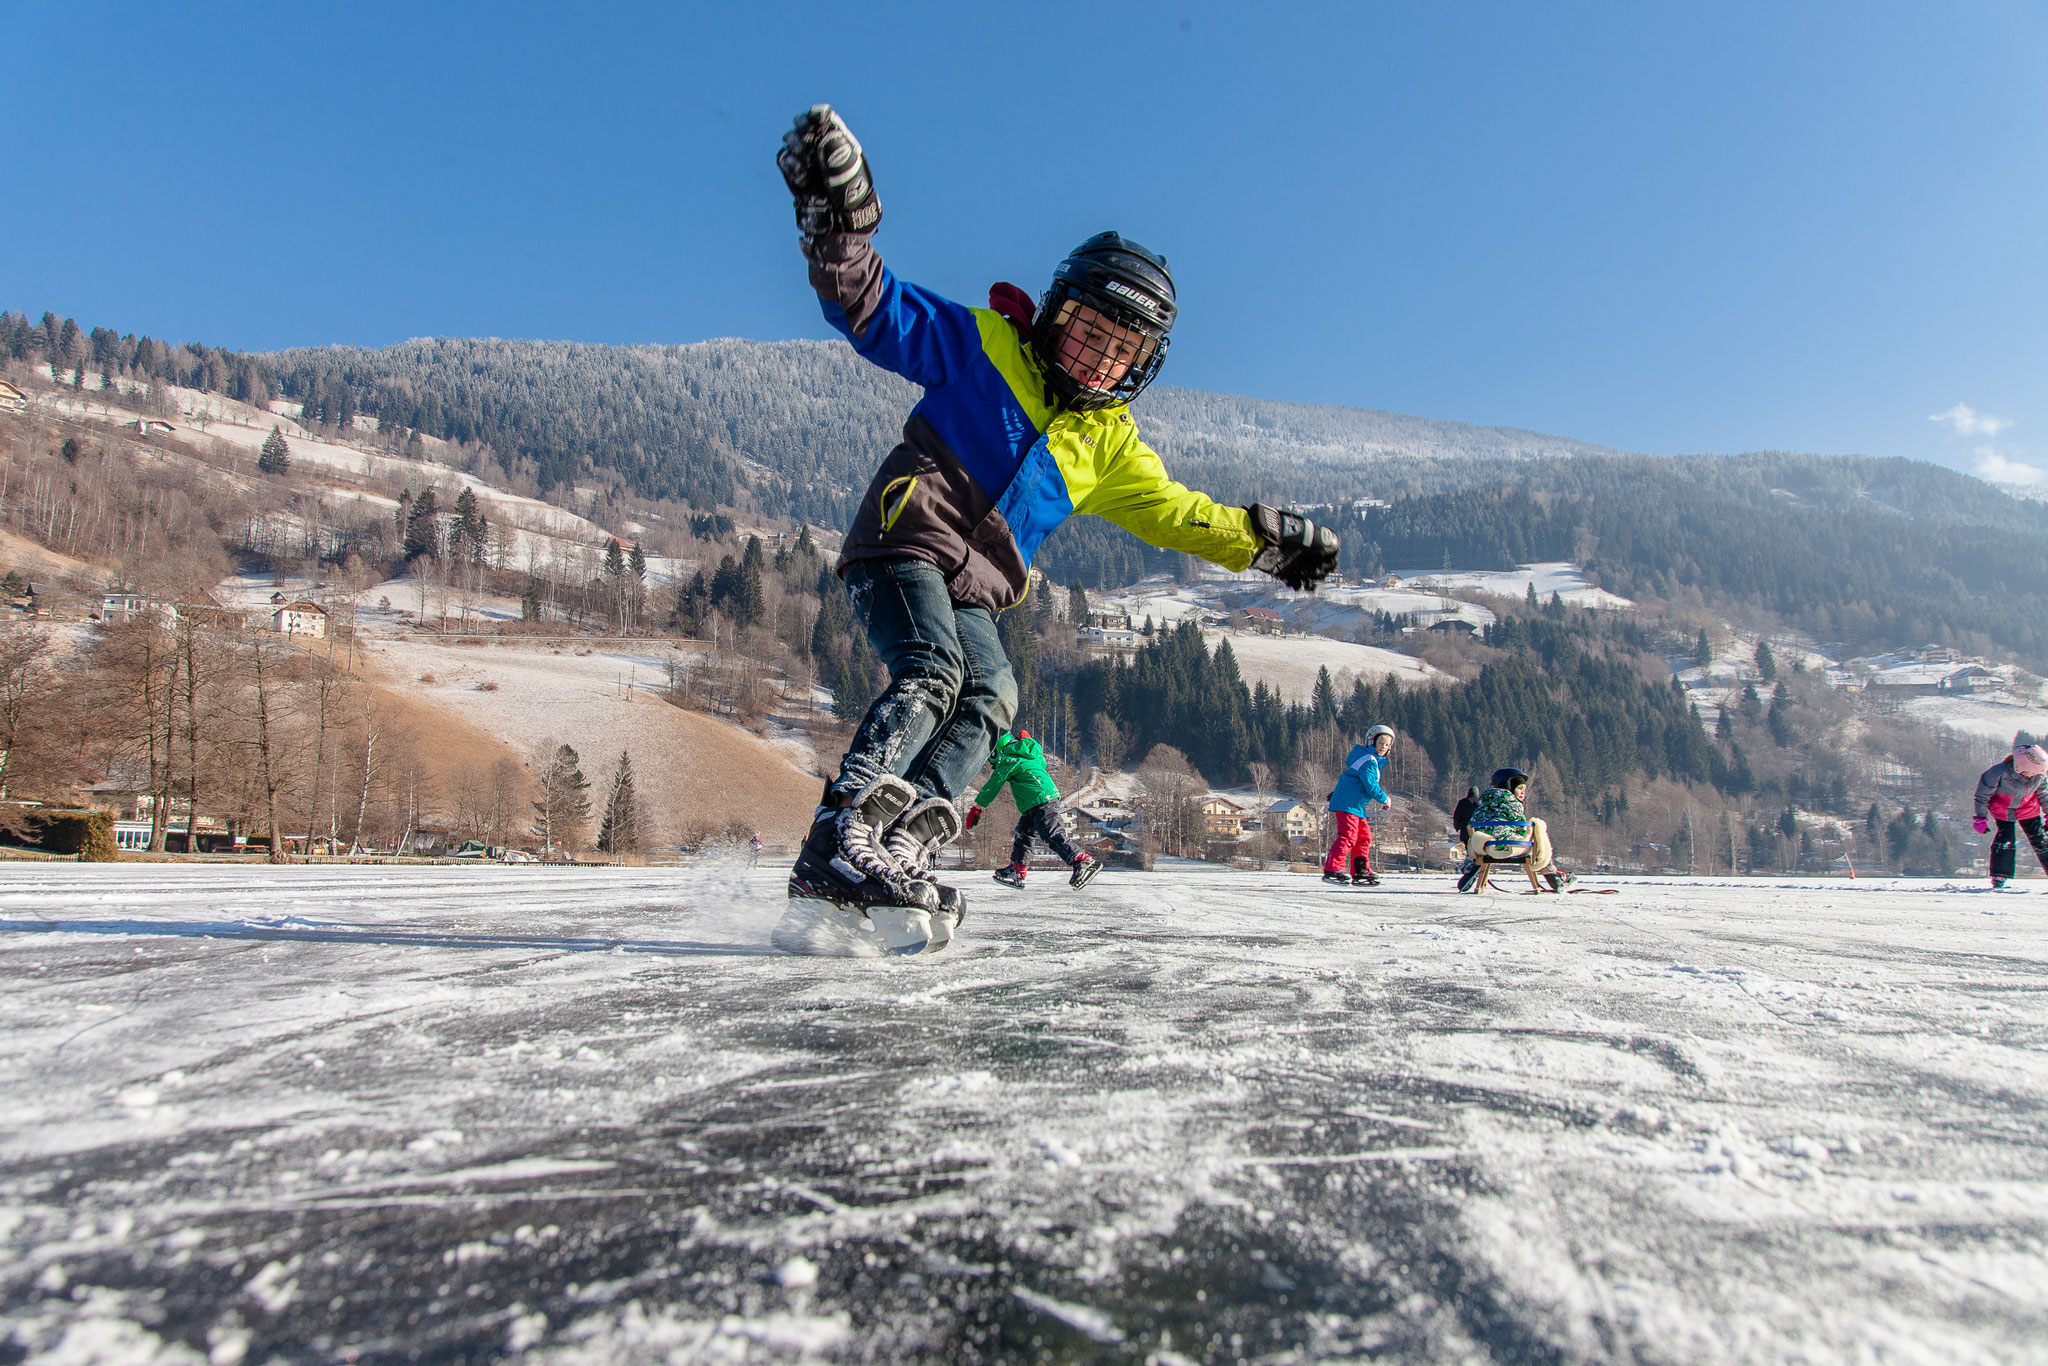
[578,1116]
[1560,577]
[1289,664]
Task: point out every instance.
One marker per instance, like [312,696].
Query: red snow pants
[1354,841]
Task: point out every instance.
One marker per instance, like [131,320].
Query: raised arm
[913,332]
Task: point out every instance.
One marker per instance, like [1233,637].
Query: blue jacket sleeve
[924,337]
[1369,774]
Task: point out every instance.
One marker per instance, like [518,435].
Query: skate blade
[820,928]
[902,929]
[944,926]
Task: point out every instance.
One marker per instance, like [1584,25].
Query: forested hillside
[1865,553]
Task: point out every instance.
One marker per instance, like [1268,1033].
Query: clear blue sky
[1666,228]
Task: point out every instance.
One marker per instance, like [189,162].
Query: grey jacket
[2001,792]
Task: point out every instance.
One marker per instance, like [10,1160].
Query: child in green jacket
[1018,761]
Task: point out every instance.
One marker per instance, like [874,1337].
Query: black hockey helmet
[1133,289]
[1509,778]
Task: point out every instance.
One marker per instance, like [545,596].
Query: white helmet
[1377,731]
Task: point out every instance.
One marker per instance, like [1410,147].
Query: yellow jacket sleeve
[1136,493]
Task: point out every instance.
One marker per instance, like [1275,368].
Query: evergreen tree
[564,802]
[1766,662]
[276,456]
[423,526]
[636,562]
[1702,650]
[614,559]
[469,526]
[529,601]
[620,832]
[753,599]
[1324,702]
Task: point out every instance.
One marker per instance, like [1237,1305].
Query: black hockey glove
[1297,552]
[822,164]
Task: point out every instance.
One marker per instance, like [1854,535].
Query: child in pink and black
[2010,794]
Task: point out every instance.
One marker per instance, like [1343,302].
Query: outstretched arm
[1137,494]
[1003,769]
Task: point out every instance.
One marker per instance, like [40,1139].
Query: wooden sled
[1505,851]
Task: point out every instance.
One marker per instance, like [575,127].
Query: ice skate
[1011,875]
[914,841]
[1336,879]
[847,895]
[1085,870]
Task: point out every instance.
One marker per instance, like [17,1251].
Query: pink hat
[2030,761]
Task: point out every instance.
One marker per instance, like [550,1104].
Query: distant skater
[1350,859]
[2009,792]
[1019,761]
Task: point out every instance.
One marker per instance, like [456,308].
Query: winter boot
[1555,878]
[1996,883]
[1085,869]
[1011,876]
[1468,875]
[914,841]
[844,860]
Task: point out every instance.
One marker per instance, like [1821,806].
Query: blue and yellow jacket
[989,464]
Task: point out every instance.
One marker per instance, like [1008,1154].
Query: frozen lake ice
[384,1114]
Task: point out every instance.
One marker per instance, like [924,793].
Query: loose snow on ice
[1194,1115]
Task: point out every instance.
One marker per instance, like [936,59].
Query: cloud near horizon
[1964,420]
[1997,469]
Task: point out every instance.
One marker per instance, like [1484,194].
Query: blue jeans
[951,694]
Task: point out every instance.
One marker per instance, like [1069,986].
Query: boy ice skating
[2009,792]
[1023,423]
[1020,762]
[1350,861]
[1501,829]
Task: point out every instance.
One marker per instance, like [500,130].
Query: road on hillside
[382,1114]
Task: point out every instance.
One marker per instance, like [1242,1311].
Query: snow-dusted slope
[1195,1115]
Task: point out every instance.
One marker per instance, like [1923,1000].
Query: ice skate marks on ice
[820,927]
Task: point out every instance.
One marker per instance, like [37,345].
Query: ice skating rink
[1197,1115]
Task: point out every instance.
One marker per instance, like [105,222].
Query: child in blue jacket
[1350,860]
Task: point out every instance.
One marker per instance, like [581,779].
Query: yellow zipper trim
[909,482]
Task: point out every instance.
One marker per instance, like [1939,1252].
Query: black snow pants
[1047,821]
[2005,846]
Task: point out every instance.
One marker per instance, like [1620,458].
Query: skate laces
[860,846]
[908,850]
[918,835]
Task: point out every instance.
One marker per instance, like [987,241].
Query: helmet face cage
[1129,295]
